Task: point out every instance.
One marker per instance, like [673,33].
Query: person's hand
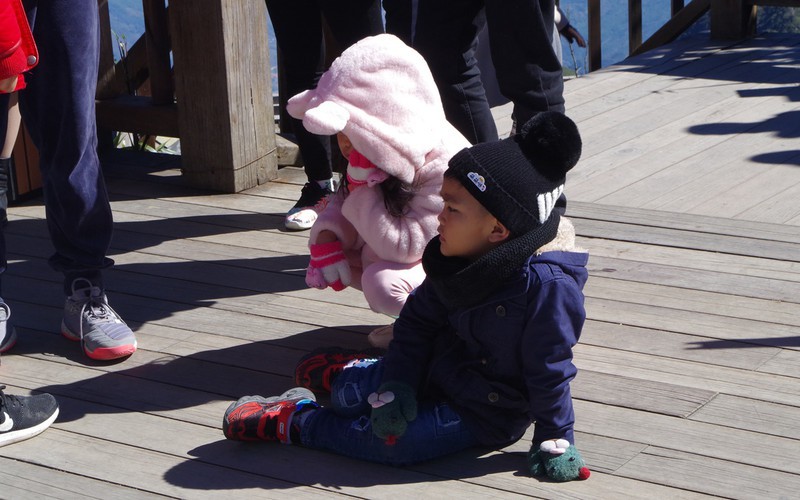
[328,267]
[394,405]
[572,35]
[362,172]
[7,85]
[558,460]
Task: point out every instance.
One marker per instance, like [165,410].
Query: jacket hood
[381,94]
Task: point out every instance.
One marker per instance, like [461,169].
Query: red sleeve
[17,49]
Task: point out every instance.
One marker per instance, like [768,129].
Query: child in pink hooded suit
[380,97]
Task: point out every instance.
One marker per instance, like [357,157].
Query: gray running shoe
[89,319]
[8,336]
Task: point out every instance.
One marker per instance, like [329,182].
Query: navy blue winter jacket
[504,362]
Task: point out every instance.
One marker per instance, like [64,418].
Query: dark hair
[396,194]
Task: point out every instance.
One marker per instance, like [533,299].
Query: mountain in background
[127,24]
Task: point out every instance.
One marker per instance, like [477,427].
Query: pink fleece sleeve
[332,219]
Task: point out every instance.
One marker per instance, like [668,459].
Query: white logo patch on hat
[547,201]
[478,180]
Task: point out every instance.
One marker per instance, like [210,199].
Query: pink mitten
[362,172]
[328,267]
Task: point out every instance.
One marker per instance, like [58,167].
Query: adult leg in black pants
[298,31]
[445,32]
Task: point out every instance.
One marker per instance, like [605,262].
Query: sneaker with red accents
[89,319]
[255,418]
[318,369]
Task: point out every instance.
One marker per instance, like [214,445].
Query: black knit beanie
[520,178]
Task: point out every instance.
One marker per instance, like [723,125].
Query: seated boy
[483,348]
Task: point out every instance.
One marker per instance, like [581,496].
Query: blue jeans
[57,107]
[298,31]
[345,428]
[445,32]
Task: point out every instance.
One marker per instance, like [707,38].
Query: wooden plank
[688,373]
[656,397]
[690,222]
[677,345]
[130,113]
[786,363]
[732,306]
[692,259]
[697,279]
[732,245]
[698,438]
[21,480]
[720,332]
[752,414]
[697,471]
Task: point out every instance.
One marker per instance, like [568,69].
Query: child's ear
[499,233]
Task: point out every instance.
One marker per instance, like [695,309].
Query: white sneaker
[304,213]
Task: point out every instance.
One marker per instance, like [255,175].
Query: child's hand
[557,459]
[394,405]
[328,267]
[362,172]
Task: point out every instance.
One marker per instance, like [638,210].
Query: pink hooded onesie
[381,95]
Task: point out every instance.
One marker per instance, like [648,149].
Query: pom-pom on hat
[520,178]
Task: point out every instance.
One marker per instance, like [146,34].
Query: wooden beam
[106,76]
[156,33]
[138,114]
[595,41]
[675,26]
[634,25]
[224,93]
[732,19]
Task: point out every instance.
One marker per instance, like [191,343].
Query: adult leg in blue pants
[58,109]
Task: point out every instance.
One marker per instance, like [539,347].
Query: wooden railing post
[224,94]
[732,19]
[156,35]
[595,50]
[634,25]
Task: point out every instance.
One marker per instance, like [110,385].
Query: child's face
[344,144]
[466,228]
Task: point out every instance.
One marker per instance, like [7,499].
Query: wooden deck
[687,198]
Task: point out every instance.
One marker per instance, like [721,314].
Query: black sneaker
[304,213]
[22,417]
[318,369]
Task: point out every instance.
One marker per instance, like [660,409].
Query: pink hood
[381,94]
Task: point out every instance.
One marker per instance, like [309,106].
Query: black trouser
[298,31]
[445,32]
